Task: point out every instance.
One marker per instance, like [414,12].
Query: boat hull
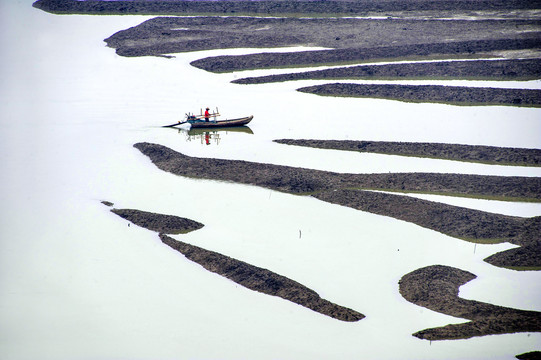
[202,124]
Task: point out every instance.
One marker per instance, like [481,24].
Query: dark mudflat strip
[358,7]
[470,153]
[306,181]
[262,280]
[344,189]
[459,222]
[467,224]
[419,51]
[349,40]
[168,224]
[532,355]
[455,95]
[522,258]
[523,69]
[436,288]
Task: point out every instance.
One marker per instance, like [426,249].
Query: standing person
[207,115]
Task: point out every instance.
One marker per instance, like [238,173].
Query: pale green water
[76,282]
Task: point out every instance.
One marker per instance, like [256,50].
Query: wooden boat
[202,124]
[197,123]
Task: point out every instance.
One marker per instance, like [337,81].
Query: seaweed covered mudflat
[347,40]
[282,7]
[252,277]
[457,39]
[512,45]
[262,280]
[350,190]
[511,69]
[372,31]
[458,152]
[456,95]
[167,224]
[523,45]
[308,181]
[436,288]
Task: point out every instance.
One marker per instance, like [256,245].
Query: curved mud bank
[261,280]
[453,95]
[436,288]
[523,258]
[510,70]
[470,153]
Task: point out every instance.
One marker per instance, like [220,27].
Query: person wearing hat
[207,115]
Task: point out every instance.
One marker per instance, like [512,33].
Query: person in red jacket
[207,115]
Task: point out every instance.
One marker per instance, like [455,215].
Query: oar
[175,124]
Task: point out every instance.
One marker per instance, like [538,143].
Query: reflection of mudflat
[207,137]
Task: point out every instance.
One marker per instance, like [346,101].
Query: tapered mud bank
[470,153]
[521,69]
[167,224]
[454,95]
[307,181]
[261,280]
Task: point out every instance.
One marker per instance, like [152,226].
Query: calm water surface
[77,282]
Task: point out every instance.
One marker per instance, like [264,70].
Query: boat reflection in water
[207,137]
